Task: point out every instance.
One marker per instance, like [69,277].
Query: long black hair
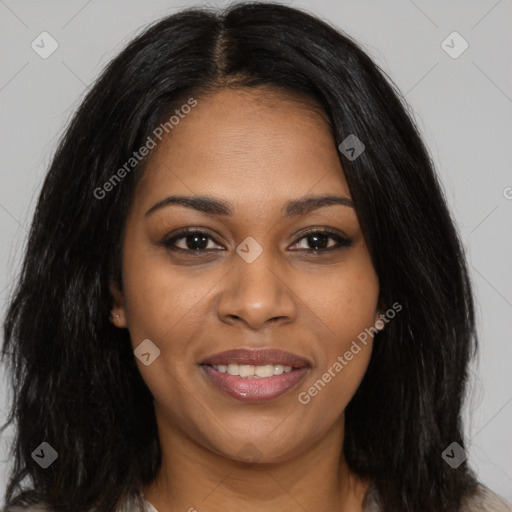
[75,384]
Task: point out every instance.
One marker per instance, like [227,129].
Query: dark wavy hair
[75,383]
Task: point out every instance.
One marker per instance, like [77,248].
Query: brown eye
[194,241]
[319,240]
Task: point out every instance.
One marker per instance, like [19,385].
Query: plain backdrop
[463,106]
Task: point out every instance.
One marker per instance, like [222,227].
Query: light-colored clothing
[484,501]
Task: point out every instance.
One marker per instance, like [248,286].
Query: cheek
[166,306]
[347,307]
[343,357]
[326,395]
[161,300]
[345,298]
[169,306]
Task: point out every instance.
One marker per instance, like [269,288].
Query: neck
[192,477]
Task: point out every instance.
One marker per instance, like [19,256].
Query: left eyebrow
[212,206]
[309,203]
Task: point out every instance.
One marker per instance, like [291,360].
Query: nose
[257,294]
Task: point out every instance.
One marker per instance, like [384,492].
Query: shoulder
[128,504]
[485,500]
[125,504]
[482,500]
[125,507]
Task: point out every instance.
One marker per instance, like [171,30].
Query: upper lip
[256,357]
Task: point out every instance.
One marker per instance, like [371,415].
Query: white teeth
[264,371]
[246,370]
[278,369]
[233,369]
[250,371]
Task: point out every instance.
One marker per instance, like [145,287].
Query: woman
[242,287]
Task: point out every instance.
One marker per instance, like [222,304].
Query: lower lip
[255,390]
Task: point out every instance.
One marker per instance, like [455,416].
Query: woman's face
[247,281]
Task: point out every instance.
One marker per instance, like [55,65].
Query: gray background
[463,107]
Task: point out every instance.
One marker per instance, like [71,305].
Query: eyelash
[341,241]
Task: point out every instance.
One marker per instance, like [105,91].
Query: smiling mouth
[255,375]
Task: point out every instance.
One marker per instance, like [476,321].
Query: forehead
[248,145]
